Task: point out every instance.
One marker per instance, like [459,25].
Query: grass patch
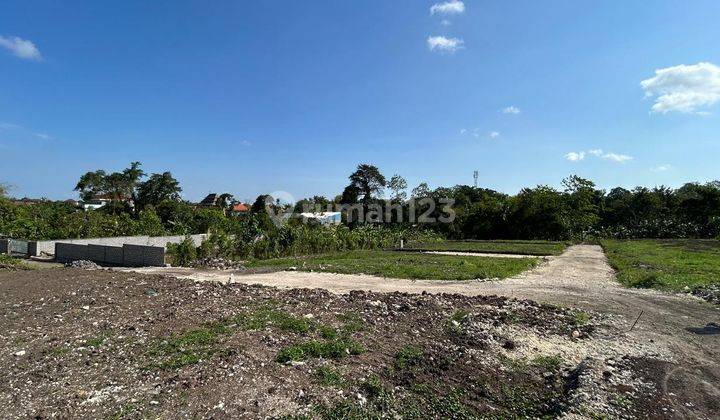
[580,318]
[95,342]
[268,317]
[313,349]
[327,376]
[665,264]
[396,264]
[11,264]
[495,247]
[190,347]
[408,357]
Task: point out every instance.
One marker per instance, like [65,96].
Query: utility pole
[475,177]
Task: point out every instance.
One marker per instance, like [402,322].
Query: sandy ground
[674,325]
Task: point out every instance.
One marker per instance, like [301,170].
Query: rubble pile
[218,264]
[83,264]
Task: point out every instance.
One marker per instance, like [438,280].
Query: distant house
[210,200]
[240,208]
[102,200]
[324,218]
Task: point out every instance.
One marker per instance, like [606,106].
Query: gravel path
[673,326]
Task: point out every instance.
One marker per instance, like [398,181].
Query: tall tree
[398,185]
[368,181]
[158,188]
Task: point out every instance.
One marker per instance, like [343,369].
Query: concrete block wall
[65,253]
[48,247]
[127,255]
[143,256]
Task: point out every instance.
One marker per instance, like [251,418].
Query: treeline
[581,211]
[151,205]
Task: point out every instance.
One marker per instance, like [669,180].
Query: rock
[20,353]
[575,334]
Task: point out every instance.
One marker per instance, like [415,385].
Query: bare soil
[677,331]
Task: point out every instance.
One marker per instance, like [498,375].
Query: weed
[548,362]
[581,318]
[329,349]
[408,357]
[95,342]
[265,317]
[326,375]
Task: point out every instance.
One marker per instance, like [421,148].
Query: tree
[421,191]
[582,209]
[367,180]
[398,185]
[118,185]
[158,188]
[3,190]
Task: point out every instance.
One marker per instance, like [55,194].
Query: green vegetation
[266,317]
[665,264]
[495,247]
[408,357]
[10,263]
[327,376]
[406,265]
[190,347]
[328,349]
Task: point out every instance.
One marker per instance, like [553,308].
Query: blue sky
[255,97]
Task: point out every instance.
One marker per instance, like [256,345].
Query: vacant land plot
[497,247]
[103,344]
[405,265]
[665,264]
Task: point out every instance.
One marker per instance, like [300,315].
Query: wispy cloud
[575,156]
[494,134]
[445,45]
[6,126]
[511,110]
[613,157]
[661,168]
[451,7]
[684,88]
[21,48]
[445,22]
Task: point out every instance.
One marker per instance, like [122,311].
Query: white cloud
[451,7]
[684,88]
[22,131]
[511,110]
[494,134]
[615,157]
[661,168]
[463,130]
[575,156]
[20,48]
[443,44]
[445,22]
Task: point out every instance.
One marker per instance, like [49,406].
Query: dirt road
[677,327]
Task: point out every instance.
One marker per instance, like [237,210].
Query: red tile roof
[240,207]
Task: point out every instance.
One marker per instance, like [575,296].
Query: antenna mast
[475,177]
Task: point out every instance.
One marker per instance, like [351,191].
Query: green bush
[183,253]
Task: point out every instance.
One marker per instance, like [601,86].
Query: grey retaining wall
[36,248]
[127,255]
